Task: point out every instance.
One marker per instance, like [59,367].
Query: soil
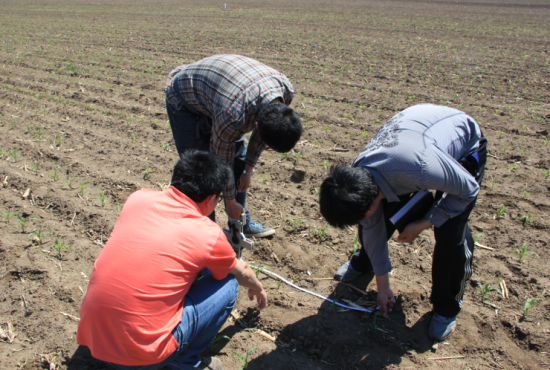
[83,113]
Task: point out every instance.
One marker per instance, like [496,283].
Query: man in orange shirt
[145,307]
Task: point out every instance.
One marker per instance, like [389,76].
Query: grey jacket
[419,149]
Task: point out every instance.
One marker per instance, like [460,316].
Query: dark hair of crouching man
[167,278]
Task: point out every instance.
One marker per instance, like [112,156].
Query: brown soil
[82,92]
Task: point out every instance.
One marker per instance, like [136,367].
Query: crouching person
[145,307]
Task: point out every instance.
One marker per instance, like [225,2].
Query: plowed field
[83,125]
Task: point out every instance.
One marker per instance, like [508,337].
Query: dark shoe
[441,327]
[257,230]
[347,273]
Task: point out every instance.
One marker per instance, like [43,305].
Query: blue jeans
[187,135]
[206,308]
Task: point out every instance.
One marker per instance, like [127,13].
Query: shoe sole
[261,235]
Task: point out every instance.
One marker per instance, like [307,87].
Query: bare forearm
[246,277]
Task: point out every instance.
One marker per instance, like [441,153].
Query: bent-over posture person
[146,306]
[212,103]
[425,147]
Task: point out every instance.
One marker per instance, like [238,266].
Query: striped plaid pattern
[231,90]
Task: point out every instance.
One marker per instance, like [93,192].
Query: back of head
[279,127]
[346,195]
[199,174]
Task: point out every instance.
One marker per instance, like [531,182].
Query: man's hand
[260,296]
[385,297]
[247,278]
[233,209]
[412,230]
[245,180]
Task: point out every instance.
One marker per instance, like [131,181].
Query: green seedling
[356,244]
[527,193]
[526,220]
[325,165]
[278,283]
[165,147]
[261,178]
[546,174]
[318,192]
[60,247]
[23,222]
[373,324]
[513,168]
[70,182]
[38,234]
[295,222]
[365,135]
[282,156]
[148,172]
[493,182]
[36,167]
[245,359]
[103,198]
[486,289]
[134,137]
[477,236]
[7,214]
[14,155]
[322,232]
[258,269]
[528,304]
[297,157]
[81,185]
[55,175]
[217,339]
[500,213]
[523,252]
[59,140]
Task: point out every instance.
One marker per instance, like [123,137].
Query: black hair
[279,127]
[199,174]
[347,194]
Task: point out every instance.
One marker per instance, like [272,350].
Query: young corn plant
[523,252]
[148,172]
[356,244]
[23,222]
[526,220]
[295,222]
[7,214]
[528,304]
[217,339]
[37,235]
[81,185]
[322,232]
[70,181]
[60,247]
[55,175]
[297,157]
[245,359]
[486,289]
[36,167]
[500,213]
[261,178]
[103,198]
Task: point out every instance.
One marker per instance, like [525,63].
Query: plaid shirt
[230,90]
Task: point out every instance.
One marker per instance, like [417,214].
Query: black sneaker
[257,230]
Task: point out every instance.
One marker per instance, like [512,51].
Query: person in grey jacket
[424,147]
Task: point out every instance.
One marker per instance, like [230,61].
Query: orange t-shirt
[137,288]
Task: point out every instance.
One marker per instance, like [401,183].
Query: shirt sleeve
[225,131]
[171,76]
[375,241]
[255,147]
[445,174]
[222,259]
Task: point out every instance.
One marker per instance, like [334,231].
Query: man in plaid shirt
[212,103]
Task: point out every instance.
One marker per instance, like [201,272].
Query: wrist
[383,282]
